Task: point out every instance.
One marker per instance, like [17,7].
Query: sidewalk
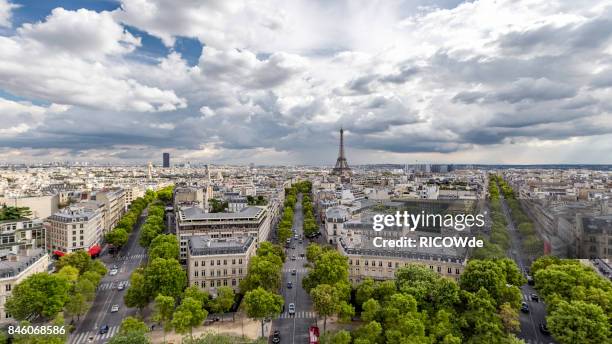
[240,327]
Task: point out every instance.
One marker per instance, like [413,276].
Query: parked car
[524,307]
[292,308]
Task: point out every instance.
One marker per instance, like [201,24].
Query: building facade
[216,262]
[74,228]
[22,253]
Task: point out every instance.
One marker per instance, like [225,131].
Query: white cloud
[75,58]
[6,9]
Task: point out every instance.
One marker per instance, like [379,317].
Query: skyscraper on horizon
[166,160]
[342,168]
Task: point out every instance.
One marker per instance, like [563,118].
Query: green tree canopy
[40,294]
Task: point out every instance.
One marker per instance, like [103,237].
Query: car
[524,307]
[104,329]
[289,285]
[295,236]
[535,298]
[301,241]
[276,337]
[113,272]
[293,247]
[115,267]
[301,255]
[544,329]
[293,272]
[530,280]
[292,308]
[121,286]
[115,309]
[293,257]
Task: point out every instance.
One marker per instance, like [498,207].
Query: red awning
[94,250]
[58,253]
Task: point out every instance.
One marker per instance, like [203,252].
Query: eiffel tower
[342,168]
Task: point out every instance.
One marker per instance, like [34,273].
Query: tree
[330,268]
[189,314]
[41,338]
[131,324]
[579,322]
[79,259]
[14,213]
[164,307]
[164,246]
[264,272]
[148,232]
[70,273]
[40,294]
[165,194]
[371,310]
[92,277]
[165,276]
[510,318]
[197,294]
[137,294]
[340,337]
[86,288]
[217,206]
[224,300]
[117,237]
[77,305]
[369,333]
[326,301]
[260,304]
[130,338]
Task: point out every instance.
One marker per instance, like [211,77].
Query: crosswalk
[83,337]
[132,257]
[531,341]
[299,271]
[526,297]
[298,258]
[111,285]
[299,315]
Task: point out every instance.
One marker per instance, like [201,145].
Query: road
[107,295]
[294,328]
[531,321]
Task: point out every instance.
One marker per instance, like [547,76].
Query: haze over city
[271,82]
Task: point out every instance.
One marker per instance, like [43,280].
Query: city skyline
[509,82]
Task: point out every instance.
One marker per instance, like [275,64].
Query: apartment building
[75,228]
[367,261]
[114,206]
[216,262]
[22,253]
[193,221]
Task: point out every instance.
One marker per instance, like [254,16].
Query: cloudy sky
[503,81]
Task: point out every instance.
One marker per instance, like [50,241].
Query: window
[233,271]
[389,264]
[457,271]
[203,284]
[357,262]
[8,287]
[396,264]
[350,262]
[380,263]
[203,263]
[431,267]
[218,261]
[450,270]
[233,282]
[224,272]
[203,273]
[367,263]
[224,262]
[240,271]
[225,282]
[195,273]
[439,269]
[212,263]
[233,261]
[195,263]
[240,261]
